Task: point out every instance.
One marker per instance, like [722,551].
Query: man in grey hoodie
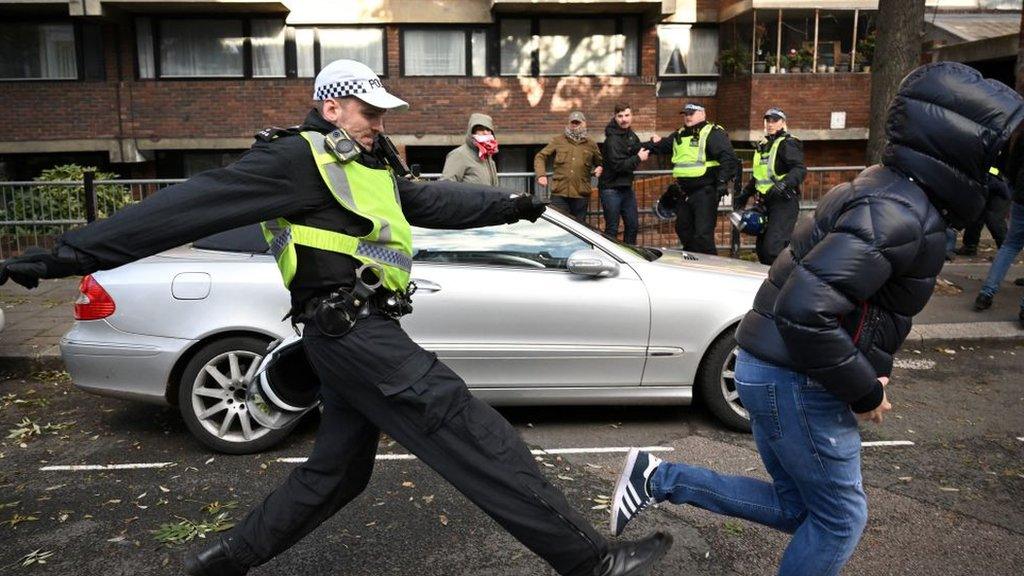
[473,161]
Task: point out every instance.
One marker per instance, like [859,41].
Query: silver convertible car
[528,314]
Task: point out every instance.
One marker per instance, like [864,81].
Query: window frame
[534,20]
[467,35]
[291,63]
[657,51]
[76,30]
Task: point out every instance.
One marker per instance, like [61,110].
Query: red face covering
[486,145]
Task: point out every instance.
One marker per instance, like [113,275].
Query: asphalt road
[951,503]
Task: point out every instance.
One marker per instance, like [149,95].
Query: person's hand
[644,153]
[528,207]
[655,138]
[33,264]
[739,200]
[598,171]
[543,181]
[878,414]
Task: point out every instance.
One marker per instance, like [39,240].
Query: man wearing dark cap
[575,157]
[336,207]
[816,351]
[703,162]
[778,172]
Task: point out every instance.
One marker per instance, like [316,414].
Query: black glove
[722,188]
[36,263]
[780,191]
[528,207]
[739,200]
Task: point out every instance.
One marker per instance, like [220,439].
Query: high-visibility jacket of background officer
[778,169]
[702,156]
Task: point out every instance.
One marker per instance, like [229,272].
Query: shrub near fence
[35,213]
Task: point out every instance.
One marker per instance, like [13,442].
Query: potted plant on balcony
[866,51]
[793,57]
[770,60]
[806,60]
[783,64]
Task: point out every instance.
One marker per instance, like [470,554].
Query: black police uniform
[375,377]
[781,203]
[697,213]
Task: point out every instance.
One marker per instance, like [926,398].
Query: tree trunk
[897,52]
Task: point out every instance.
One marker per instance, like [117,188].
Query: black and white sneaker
[633,490]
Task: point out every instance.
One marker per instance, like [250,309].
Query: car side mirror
[592,263]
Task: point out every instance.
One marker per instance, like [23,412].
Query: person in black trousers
[333,204]
[778,172]
[703,162]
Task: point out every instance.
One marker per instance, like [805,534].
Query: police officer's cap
[343,78]
[775,114]
[691,107]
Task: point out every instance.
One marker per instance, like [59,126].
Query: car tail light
[93,303]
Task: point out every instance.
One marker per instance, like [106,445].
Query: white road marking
[1021,438]
[602,450]
[888,443]
[914,364]
[85,467]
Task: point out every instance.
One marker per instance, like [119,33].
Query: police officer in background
[703,162]
[335,208]
[778,172]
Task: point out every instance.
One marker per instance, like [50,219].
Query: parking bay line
[877,443]
[539,452]
[87,467]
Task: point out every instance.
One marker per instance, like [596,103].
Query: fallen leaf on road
[564,477]
[408,484]
[948,489]
[443,519]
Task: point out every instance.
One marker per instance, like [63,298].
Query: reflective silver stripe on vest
[385,254]
[339,184]
[281,241]
[694,165]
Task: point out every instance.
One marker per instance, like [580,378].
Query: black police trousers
[696,216]
[994,218]
[782,216]
[375,378]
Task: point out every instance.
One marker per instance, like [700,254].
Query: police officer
[778,172]
[332,203]
[703,162]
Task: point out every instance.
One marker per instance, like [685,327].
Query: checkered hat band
[343,88]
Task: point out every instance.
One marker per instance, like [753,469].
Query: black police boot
[214,560]
[1020,316]
[634,558]
[968,250]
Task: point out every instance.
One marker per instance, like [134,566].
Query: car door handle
[426,285]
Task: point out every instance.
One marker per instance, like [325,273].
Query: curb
[31,364]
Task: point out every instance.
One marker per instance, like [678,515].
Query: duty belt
[336,313]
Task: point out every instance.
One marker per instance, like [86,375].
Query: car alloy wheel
[728,383]
[211,396]
[218,397]
[716,382]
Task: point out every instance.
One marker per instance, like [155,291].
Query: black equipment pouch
[337,313]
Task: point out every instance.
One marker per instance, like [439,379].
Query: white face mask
[483,137]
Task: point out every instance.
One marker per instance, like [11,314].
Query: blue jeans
[616,202]
[575,207]
[810,444]
[1007,253]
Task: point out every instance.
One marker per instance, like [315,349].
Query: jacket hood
[945,128]
[478,119]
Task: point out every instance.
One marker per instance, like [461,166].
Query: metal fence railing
[36,213]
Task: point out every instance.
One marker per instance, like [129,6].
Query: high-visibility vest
[371,193]
[764,171]
[993,171]
[688,155]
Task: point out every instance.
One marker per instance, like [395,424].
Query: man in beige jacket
[473,161]
[576,157]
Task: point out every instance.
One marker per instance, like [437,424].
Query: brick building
[166,89]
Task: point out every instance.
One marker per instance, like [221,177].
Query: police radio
[344,148]
[386,148]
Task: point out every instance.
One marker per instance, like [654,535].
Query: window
[363,44]
[211,47]
[541,245]
[444,52]
[687,50]
[567,47]
[38,52]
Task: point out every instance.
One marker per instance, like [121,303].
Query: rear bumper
[103,360]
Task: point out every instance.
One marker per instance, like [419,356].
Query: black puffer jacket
[620,159]
[838,302]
